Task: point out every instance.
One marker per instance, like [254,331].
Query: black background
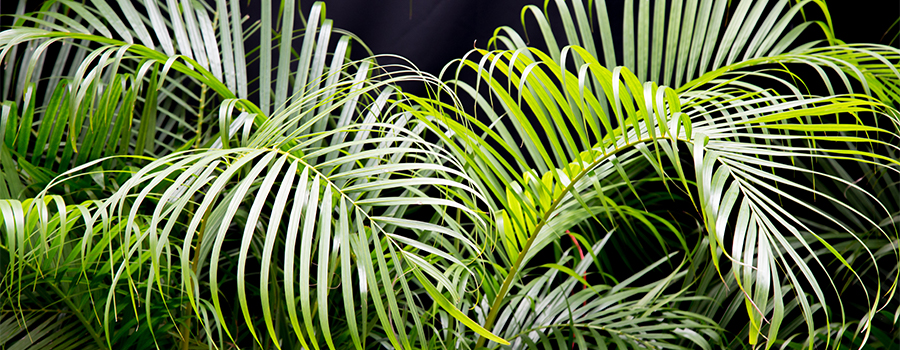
[431,33]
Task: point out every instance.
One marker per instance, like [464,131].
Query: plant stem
[186,326]
[495,307]
[185,332]
[507,282]
[200,108]
[498,300]
[77,313]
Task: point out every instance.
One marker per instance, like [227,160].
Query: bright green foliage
[702,192]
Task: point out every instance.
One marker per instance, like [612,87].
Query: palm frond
[347,155]
[161,183]
[741,138]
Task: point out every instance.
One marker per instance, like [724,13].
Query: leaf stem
[507,282]
[78,315]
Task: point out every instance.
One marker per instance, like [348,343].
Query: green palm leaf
[733,129]
[153,193]
[347,151]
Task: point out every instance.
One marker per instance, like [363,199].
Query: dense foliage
[729,180]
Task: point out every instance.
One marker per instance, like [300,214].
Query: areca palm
[745,126]
[344,146]
[159,197]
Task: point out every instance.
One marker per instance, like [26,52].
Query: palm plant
[172,193]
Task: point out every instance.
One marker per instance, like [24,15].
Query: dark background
[431,33]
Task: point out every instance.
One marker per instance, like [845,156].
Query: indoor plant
[155,199]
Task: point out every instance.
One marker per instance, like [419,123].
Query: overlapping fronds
[325,200]
[727,134]
[163,184]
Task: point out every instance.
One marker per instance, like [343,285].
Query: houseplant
[161,194]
